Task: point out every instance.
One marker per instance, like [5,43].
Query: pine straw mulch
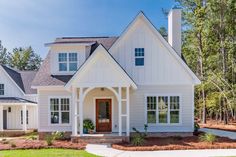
[38,144]
[177,143]
[219,126]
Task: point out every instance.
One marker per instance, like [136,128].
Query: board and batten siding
[160,66]
[138,107]
[44,112]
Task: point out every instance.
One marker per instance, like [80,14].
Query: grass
[45,153]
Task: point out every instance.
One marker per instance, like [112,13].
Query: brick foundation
[14,133]
[43,135]
[167,134]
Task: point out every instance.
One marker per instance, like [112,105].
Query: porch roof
[99,70]
[15,101]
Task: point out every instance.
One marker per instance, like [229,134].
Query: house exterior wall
[14,117]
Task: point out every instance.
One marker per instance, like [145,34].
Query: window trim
[157,109]
[2,89]
[49,111]
[67,61]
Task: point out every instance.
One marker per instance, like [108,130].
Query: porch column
[81,99]
[1,118]
[74,112]
[24,125]
[128,112]
[119,111]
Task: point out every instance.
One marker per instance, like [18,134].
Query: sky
[36,22]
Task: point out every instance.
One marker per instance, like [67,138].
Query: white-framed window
[60,110]
[163,109]
[139,56]
[1,89]
[27,117]
[68,61]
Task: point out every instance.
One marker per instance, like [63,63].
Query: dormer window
[1,89]
[139,56]
[68,61]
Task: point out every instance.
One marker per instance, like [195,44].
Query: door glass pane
[103,112]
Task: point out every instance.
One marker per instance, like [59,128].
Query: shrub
[49,139]
[196,127]
[137,140]
[88,125]
[208,137]
[32,137]
[58,135]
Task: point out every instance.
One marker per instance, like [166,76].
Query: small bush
[32,137]
[13,145]
[196,127]
[208,137]
[4,141]
[137,140]
[49,139]
[88,125]
[58,135]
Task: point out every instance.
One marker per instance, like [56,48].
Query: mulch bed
[177,143]
[38,144]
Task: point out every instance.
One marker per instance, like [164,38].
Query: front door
[103,115]
[4,119]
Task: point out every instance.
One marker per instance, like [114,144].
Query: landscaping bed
[177,143]
[38,144]
[219,126]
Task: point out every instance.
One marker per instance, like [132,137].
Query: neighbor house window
[68,61]
[62,59]
[1,89]
[163,109]
[60,110]
[151,109]
[139,56]
[27,117]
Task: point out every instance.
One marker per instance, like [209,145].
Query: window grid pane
[62,57]
[163,109]
[1,89]
[151,109]
[139,56]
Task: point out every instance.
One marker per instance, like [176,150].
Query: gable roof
[22,79]
[102,49]
[142,16]
[44,77]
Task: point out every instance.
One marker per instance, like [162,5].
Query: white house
[18,101]
[118,82]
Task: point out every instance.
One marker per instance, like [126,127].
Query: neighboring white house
[18,101]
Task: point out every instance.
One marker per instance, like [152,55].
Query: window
[62,59]
[27,117]
[139,56]
[68,61]
[151,109]
[60,110]
[163,109]
[1,89]
[72,61]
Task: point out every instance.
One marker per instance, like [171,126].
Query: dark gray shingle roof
[23,79]
[11,100]
[44,77]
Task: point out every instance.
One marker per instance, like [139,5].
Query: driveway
[222,133]
[105,150]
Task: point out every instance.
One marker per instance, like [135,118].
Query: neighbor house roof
[23,79]
[44,77]
[14,100]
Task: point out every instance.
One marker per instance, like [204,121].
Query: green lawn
[45,153]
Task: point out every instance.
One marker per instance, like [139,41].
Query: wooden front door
[103,115]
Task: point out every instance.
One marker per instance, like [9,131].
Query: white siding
[44,113]
[160,67]
[138,105]
[81,50]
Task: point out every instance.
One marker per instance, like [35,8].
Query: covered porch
[17,115]
[100,91]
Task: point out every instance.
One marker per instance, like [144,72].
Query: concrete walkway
[104,150]
[222,133]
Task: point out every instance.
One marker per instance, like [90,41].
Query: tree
[163,32]
[4,55]
[25,59]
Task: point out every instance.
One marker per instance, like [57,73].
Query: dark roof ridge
[81,37]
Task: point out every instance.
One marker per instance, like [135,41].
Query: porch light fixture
[9,109]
